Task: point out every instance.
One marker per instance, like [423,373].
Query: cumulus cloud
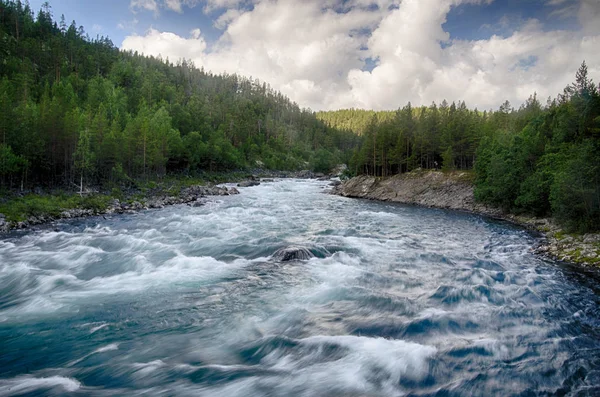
[177,5]
[167,45]
[174,5]
[148,5]
[316,52]
[227,17]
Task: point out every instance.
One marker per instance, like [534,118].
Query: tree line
[538,159]
[75,110]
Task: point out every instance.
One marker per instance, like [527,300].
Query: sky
[371,54]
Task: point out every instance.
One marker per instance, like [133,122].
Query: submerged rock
[293,253]
[248,183]
[197,203]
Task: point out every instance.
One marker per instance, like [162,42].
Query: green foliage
[21,208]
[448,159]
[498,173]
[355,120]
[96,202]
[434,137]
[575,193]
[323,161]
[85,113]
[551,166]
[10,163]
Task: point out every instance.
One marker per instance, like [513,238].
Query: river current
[399,300]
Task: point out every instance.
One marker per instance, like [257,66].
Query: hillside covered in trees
[76,110]
[541,159]
[356,120]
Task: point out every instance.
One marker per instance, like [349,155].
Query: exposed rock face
[292,253]
[339,169]
[430,189]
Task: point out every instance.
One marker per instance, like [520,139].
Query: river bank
[24,211]
[47,209]
[454,190]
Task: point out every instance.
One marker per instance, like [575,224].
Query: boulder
[197,203]
[248,183]
[304,174]
[292,253]
[339,169]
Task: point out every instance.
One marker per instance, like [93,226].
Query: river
[399,300]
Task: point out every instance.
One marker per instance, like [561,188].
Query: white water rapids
[398,301]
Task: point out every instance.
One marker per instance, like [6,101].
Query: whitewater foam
[30,384]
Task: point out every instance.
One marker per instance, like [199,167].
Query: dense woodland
[539,159]
[76,110]
[356,120]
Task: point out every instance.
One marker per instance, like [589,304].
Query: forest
[539,159]
[75,110]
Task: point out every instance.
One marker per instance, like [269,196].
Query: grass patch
[19,209]
[463,175]
[578,257]
[560,235]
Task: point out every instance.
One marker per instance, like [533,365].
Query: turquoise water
[188,301]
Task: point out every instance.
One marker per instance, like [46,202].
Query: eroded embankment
[454,190]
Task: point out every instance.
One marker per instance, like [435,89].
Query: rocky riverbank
[454,190]
[24,215]
[192,195]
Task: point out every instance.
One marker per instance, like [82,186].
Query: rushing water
[187,301]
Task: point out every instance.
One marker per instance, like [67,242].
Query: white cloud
[589,16]
[212,5]
[148,5]
[167,45]
[227,17]
[128,25]
[316,55]
[174,5]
